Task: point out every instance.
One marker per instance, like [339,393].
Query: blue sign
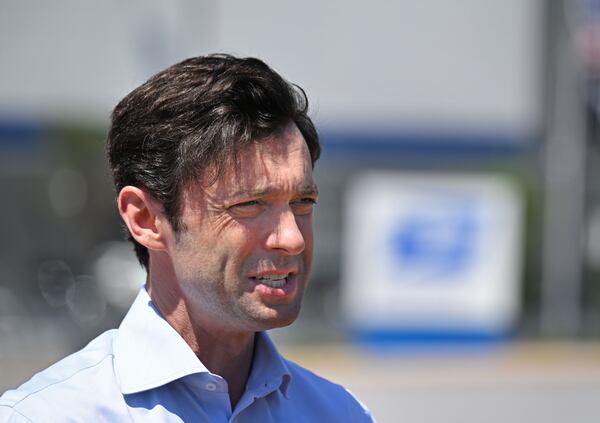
[438,239]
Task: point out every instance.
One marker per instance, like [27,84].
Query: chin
[277,319]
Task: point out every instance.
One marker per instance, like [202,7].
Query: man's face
[243,258]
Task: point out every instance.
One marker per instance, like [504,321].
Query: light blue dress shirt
[144,371]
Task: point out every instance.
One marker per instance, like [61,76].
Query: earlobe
[141,213]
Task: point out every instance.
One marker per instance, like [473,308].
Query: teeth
[272,277]
[274,281]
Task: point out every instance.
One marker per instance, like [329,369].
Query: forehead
[279,162]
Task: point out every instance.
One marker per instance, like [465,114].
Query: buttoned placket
[251,396]
[212,393]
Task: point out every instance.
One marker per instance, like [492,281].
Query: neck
[230,357]
[225,353]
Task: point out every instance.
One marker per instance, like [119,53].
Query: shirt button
[210,386]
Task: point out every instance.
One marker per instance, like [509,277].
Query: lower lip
[287,290]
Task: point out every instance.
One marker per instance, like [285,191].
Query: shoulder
[77,379]
[326,397]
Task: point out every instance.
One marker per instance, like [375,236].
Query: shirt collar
[150,353]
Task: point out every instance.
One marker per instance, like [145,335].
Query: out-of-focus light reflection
[118,273]
[86,303]
[54,280]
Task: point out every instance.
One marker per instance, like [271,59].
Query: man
[212,161]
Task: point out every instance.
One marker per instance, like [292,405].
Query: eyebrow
[309,189]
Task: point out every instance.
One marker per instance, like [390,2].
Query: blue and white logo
[437,240]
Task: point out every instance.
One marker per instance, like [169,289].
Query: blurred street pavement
[521,382]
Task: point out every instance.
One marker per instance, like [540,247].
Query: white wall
[408,64]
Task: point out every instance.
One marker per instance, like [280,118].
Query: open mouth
[273,281]
[275,284]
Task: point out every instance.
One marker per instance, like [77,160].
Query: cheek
[236,247]
[246,233]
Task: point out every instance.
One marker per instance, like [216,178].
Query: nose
[285,235]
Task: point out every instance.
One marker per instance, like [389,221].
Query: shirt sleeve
[10,415]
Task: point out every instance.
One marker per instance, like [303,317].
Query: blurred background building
[459,205]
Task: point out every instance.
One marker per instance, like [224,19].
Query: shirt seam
[14,410]
[59,381]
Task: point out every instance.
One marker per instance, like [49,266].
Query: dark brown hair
[194,116]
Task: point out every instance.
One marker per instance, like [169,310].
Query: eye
[303,206]
[247,204]
[246,208]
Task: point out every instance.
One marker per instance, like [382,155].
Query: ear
[143,217]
